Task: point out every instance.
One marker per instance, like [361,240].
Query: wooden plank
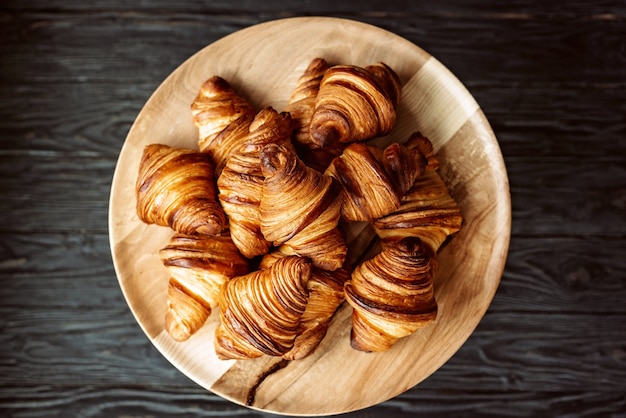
[539,48]
[185,401]
[513,9]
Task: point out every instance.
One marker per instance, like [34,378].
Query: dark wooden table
[551,78]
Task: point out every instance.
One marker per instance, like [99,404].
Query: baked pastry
[222,116]
[392,295]
[325,297]
[373,180]
[175,187]
[260,312]
[301,106]
[427,210]
[198,267]
[355,104]
[300,208]
[241,180]
[302,101]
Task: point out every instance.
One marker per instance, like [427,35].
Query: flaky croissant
[427,211]
[241,180]
[355,104]
[260,312]
[198,267]
[392,295]
[300,208]
[373,180]
[325,297]
[175,187]
[302,101]
[221,116]
[301,106]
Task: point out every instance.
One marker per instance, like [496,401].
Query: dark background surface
[551,78]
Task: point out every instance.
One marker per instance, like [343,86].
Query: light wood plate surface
[263,63]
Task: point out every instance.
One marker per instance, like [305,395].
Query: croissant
[373,180]
[355,104]
[325,296]
[417,141]
[392,295]
[427,211]
[302,101]
[240,182]
[175,187]
[260,312]
[198,268]
[216,108]
[301,106]
[300,208]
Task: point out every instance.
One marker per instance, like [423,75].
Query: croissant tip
[325,133]
[176,328]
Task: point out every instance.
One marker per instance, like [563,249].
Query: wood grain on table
[551,79]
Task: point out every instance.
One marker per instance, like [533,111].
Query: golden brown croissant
[392,295]
[325,296]
[373,180]
[427,211]
[260,312]
[417,141]
[355,104]
[300,208]
[302,101]
[301,106]
[241,180]
[175,187]
[216,107]
[198,267]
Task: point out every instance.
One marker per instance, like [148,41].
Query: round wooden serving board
[263,63]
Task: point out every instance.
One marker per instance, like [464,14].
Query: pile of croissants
[259,209]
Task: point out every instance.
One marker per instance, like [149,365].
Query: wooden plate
[263,62]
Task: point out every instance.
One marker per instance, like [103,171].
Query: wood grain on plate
[263,62]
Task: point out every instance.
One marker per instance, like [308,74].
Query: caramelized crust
[300,208]
[216,107]
[392,295]
[198,267]
[427,211]
[175,187]
[240,182]
[354,104]
[260,312]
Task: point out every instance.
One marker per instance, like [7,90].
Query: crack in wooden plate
[263,62]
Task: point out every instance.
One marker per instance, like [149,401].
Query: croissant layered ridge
[175,187]
[325,297]
[392,295]
[198,267]
[355,104]
[241,181]
[302,101]
[373,180]
[301,106]
[427,211]
[221,116]
[300,208]
[261,311]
